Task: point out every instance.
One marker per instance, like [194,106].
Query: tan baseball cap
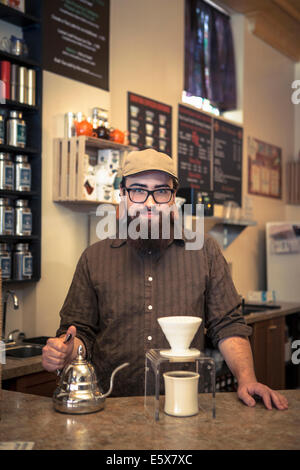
[146,160]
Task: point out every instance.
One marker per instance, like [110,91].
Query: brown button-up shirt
[117,295]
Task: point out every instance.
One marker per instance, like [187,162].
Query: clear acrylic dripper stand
[154,388]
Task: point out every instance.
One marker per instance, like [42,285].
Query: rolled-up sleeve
[81,307]
[223,316]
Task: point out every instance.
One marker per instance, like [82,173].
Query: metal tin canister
[23,173]
[14,82]
[7,172]
[31,97]
[22,262]
[6,217]
[23,84]
[70,130]
[16,130]
[2,127]
[23,218]
[5,260]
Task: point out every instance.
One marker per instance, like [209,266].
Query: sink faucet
[7,294]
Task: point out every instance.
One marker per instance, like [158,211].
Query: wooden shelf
[84,207]
[12,105]
[19,60]
[18,194]
[16,17]
[31,24]
[109,144]
[12,149]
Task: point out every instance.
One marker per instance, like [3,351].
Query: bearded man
[122,285]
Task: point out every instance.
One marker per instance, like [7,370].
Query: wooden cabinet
[40,383]
[267,343]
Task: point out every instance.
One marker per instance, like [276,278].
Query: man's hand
[246,391]
[56,354]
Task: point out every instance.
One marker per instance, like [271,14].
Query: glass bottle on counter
[22,262]
[23,218]
[7,171]
[5,260]
[6,217]
[16,129]
[23,173]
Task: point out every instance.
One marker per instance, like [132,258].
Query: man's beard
[155,245]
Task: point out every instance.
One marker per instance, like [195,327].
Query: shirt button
[149,338]
[150,307]
[150,278]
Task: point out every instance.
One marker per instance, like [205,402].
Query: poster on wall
[264,169]
[76,40]
[194,149]
[227,162]
[149,124]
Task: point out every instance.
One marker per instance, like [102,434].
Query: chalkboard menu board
[227,161]
[76,40]
[194,149]
[149,124]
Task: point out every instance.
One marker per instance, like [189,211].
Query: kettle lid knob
[80,352]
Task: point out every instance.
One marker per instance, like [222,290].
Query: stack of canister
[19,83]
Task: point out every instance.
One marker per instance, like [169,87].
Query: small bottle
[22,262]
[23,218]
[23,173]
[5,260]
[16,130]
[7,171]
[6,217]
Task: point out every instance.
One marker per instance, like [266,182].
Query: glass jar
[23,173]
[23,218]
[16,130]
[7,172]
[5,260]
[22,262]
[6,217]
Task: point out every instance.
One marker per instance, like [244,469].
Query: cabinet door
[268,352]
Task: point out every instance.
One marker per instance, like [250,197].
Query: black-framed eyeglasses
[160,196]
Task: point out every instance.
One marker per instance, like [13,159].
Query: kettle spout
[112,378]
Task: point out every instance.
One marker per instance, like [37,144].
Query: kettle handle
[112,378]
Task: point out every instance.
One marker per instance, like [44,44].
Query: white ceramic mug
[181,393]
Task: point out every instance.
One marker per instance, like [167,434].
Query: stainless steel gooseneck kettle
[78,390]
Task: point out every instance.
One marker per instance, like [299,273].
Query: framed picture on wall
[264,169]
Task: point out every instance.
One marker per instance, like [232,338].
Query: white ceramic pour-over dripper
[180,331]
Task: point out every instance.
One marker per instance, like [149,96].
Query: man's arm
[237,353]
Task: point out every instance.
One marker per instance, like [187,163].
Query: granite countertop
[18,367]
[124,424]
[286,308]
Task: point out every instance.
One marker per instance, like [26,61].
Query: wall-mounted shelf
[31,24]
[69,172]
[225,231]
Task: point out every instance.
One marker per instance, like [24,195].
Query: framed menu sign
[227,162]
[149,124]
[264,169]
[76,40]
[194,149]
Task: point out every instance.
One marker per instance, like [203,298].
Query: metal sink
[25,350]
